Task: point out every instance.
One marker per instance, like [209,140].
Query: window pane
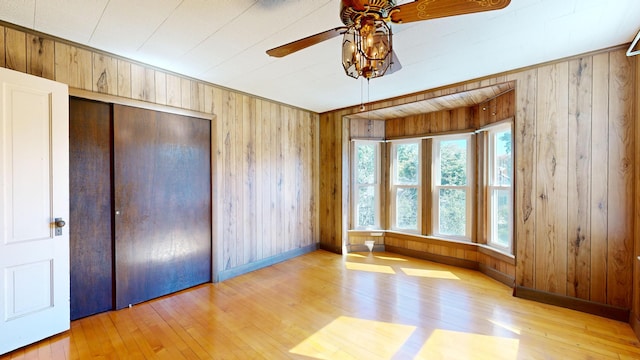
[453,162]
[407,164]
[502,151]
[366,207]
[407,208]
[453,214]
[366,163]
[500,217]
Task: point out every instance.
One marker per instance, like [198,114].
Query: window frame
[394,186]
[491,161]
[468,188]
[377,184]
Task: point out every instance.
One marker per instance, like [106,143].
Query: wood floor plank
[326,306]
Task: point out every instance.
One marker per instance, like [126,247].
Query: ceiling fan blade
[433,9]
[294,46]
[395,64]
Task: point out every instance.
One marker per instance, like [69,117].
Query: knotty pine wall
[264,154]
[574,162]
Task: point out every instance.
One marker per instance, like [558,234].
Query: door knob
[60,223]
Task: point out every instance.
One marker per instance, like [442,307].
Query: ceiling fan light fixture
[367,48]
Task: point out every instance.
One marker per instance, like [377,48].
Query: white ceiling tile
[19,12]
[73,20]
[224,41]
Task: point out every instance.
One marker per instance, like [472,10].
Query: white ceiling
[224,41]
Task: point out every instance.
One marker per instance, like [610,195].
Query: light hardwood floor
[357,306]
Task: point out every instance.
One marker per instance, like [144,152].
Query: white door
[34,191]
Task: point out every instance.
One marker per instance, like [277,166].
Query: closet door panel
[162,203]
[90,217]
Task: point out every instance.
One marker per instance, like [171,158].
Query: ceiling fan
[367,43]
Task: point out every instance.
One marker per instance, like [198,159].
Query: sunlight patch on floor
[383,269]
[505,326]
[436,274]
[390,258]
[356,255]
[353,338]
[446,344]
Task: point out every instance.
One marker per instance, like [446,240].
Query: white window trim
[436,188]
[491,163]
[377,184]
[394,187]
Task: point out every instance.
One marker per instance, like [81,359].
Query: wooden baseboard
[463,263]
[607,311]
[228,274]
[497,275]
[635,324]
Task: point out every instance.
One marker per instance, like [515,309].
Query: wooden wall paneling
[250,185]
[228,169]
[635,306]
[261,179]
[124,79]
[331,205]
[289,185]
[367,129]
[162,201]
[620,210]
[73,66]
[197,96]
[161,87]
[214,98]
[238,187]
[143,83]
[599,178]
[40,56]
[525,155]
[105,74]
[551,212]
[91,237]
[185,91]
[277,196]
[2,46]
[16,50]
[174,91]
[579,191]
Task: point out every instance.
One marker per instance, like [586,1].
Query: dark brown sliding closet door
[90,230]
[162,203]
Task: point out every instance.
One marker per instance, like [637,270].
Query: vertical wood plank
[249,178]
[105,74]
[261,181]
[238,186]
[142,83]
[40,57]
[174,91]
[229,203]
[525,155]
[16,50]
[2,47]
[74,66]
[185,91]
[620,230]
[197,96]
[599,178]
[124,79]
[278,184]
[218,190]
[579,226]
[161,87]
[551,216]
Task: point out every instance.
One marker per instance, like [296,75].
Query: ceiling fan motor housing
[351,10]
